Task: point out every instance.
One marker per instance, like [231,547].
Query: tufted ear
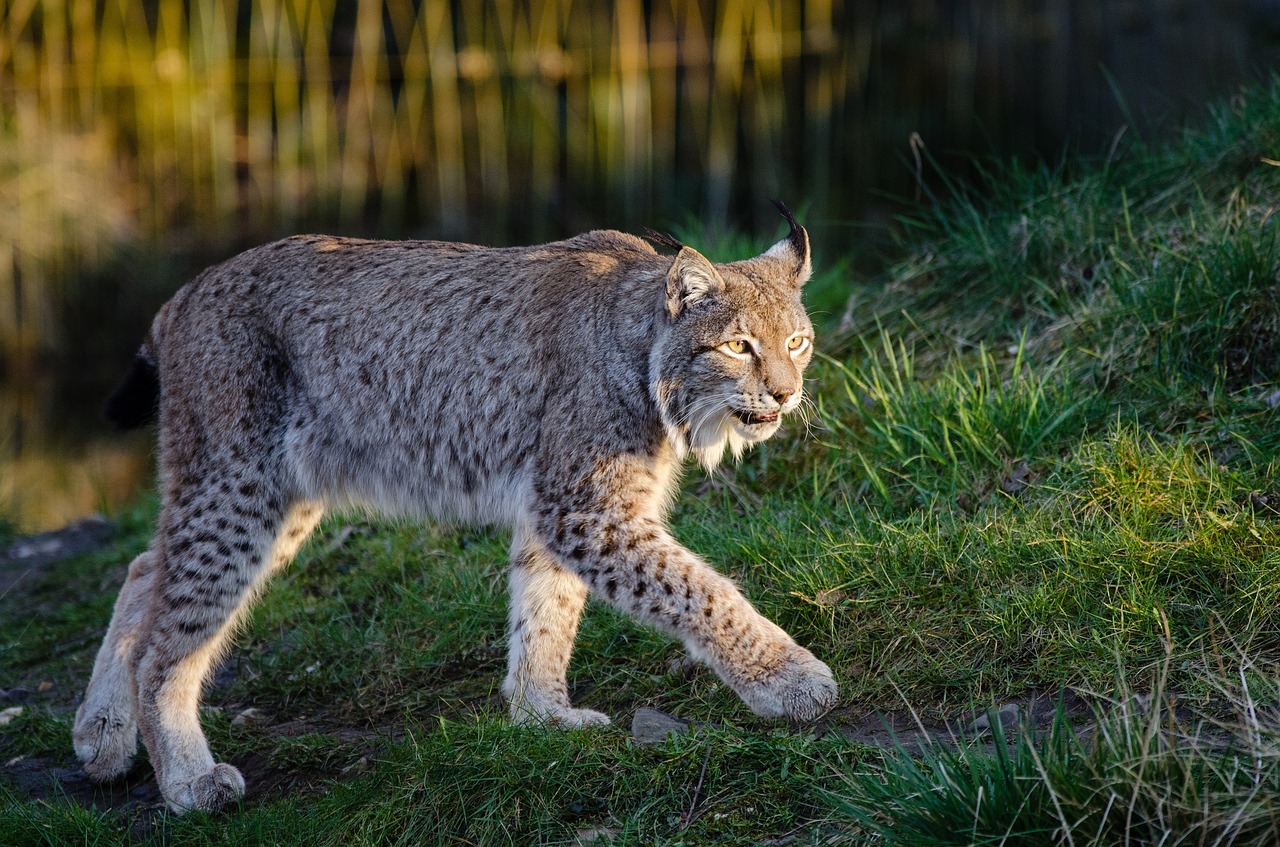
[794,249]
[690,279]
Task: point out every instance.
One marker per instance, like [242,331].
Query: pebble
[650,726]
[7,715]
[358,766]
[1009,715]
[251,716]
[594,837]
[683,666]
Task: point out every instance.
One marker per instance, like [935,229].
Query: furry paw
[802,689]
[533,711]
[571,718]
[105,742]
[209,792]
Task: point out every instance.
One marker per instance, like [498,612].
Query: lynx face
[732,363]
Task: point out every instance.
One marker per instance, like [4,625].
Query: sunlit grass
[976,419]
[1009,485]
[1144,769]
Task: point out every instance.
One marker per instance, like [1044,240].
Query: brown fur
[555,389]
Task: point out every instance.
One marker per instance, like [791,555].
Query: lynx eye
[796,343]
[737,347]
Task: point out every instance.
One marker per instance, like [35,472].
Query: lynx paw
[530,711]
[573,718]
[105,741]
[802,689]
[210,792]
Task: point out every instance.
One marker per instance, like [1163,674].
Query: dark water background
[135,147]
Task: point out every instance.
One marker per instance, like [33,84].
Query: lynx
[553,389]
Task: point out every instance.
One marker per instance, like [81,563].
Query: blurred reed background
[139,140]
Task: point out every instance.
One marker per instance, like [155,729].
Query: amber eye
[797,342]
[738,346]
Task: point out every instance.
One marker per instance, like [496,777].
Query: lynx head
[729,361]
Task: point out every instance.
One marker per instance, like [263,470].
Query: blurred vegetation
[208,124]
[130,131]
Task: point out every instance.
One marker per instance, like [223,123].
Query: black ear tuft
[796,243]
[799,238]
[663,239]
[786,213]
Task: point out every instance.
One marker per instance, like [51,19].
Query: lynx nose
[782,395]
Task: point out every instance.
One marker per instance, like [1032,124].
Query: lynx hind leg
[105,735]
[546,605]
[209,578]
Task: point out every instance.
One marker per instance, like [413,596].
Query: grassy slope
[1043,453]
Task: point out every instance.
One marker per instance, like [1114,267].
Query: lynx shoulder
[555,389]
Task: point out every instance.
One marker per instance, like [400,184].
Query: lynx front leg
[637,566]
[106,731]
[546,605]
[207,581]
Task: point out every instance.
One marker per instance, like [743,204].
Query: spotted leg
[216,551]
[546,605]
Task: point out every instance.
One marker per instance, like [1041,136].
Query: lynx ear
[690,279]
[794,249]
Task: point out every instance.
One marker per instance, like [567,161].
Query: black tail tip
[136,401]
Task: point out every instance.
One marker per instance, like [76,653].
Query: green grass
[1041,456]
[1144,771]
[485,782]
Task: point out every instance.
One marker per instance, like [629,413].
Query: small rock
[650,726]
[7,715]
[357,766]
[587,806]
[1264,503]
[45,687]
[683,666]
[307,671]
[30,548]
[1017,480]
[1009,714]
[251,716]
[595,837]
[80,536]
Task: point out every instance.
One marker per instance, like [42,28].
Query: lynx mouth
[756,419]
